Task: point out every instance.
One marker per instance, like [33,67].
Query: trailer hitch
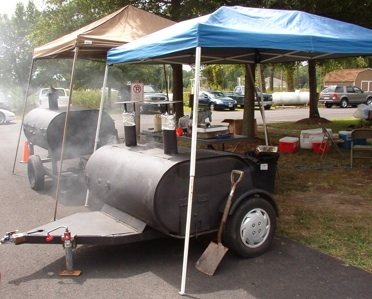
[8,237]
[17,238]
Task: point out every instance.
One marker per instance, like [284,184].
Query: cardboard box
[236,125]
[288,144]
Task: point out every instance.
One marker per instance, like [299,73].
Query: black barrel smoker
[44,128]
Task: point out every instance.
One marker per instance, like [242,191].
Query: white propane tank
[291,98]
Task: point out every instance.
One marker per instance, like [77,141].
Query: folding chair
[359,144]
[327,142]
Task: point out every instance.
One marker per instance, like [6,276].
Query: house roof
[344,75]
[94,40]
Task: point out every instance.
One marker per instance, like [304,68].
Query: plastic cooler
[288,144]
[346,137]
[319,148]
[308,137]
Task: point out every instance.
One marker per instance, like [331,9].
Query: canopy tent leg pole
[192,167]
[64,135]
[23,115]
[166,83]
[259,99]
[96,140]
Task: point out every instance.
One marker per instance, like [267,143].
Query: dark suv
[344,96]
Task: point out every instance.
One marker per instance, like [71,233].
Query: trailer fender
[251,194]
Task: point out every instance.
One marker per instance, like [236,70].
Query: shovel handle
[236,177]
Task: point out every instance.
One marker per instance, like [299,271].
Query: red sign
[137,88]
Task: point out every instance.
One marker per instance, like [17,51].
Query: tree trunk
[177,89]
[262,78]
[248,128]
[289,76]
[271,82]
[313,112]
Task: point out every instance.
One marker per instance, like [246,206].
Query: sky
[8,6]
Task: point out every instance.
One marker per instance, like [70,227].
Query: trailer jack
[68,243]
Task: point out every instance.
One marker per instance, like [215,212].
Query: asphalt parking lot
[149,269]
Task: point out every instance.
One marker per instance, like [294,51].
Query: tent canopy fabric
[248,35]
[94,40]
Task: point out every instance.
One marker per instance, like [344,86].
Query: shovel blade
[211,258]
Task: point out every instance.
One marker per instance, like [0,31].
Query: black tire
[267,107]
[344,103]
[36,173]
[232,108]
[327,105]
[2,118]
[369,101]
[250,230]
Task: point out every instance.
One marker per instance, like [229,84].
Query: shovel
[212,256]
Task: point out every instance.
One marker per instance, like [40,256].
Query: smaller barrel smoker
[44,128]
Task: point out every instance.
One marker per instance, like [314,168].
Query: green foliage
[154,75]
[86,98]
[15,50]
[223,77]
[91,98]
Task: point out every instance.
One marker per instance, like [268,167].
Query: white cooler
[307,137]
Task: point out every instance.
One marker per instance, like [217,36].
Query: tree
[16,52]
[16,49]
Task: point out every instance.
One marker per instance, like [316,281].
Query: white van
[63,95]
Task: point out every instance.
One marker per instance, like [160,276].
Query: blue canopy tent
[248,35]
[240,35]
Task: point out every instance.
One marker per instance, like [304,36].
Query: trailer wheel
[35,172]
[250,230]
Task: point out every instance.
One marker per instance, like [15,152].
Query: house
[277,83]
[358,77]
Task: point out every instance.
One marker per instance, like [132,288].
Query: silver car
[344,96]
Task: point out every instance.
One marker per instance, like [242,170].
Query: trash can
[265,167]
[130,134]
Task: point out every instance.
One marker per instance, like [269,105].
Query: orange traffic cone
[26,152]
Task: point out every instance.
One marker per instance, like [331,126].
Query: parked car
[216,100]
[151,97]
[6,116]
[4,101]
[63,95]
[344,96]
[4,105]
[238,95]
